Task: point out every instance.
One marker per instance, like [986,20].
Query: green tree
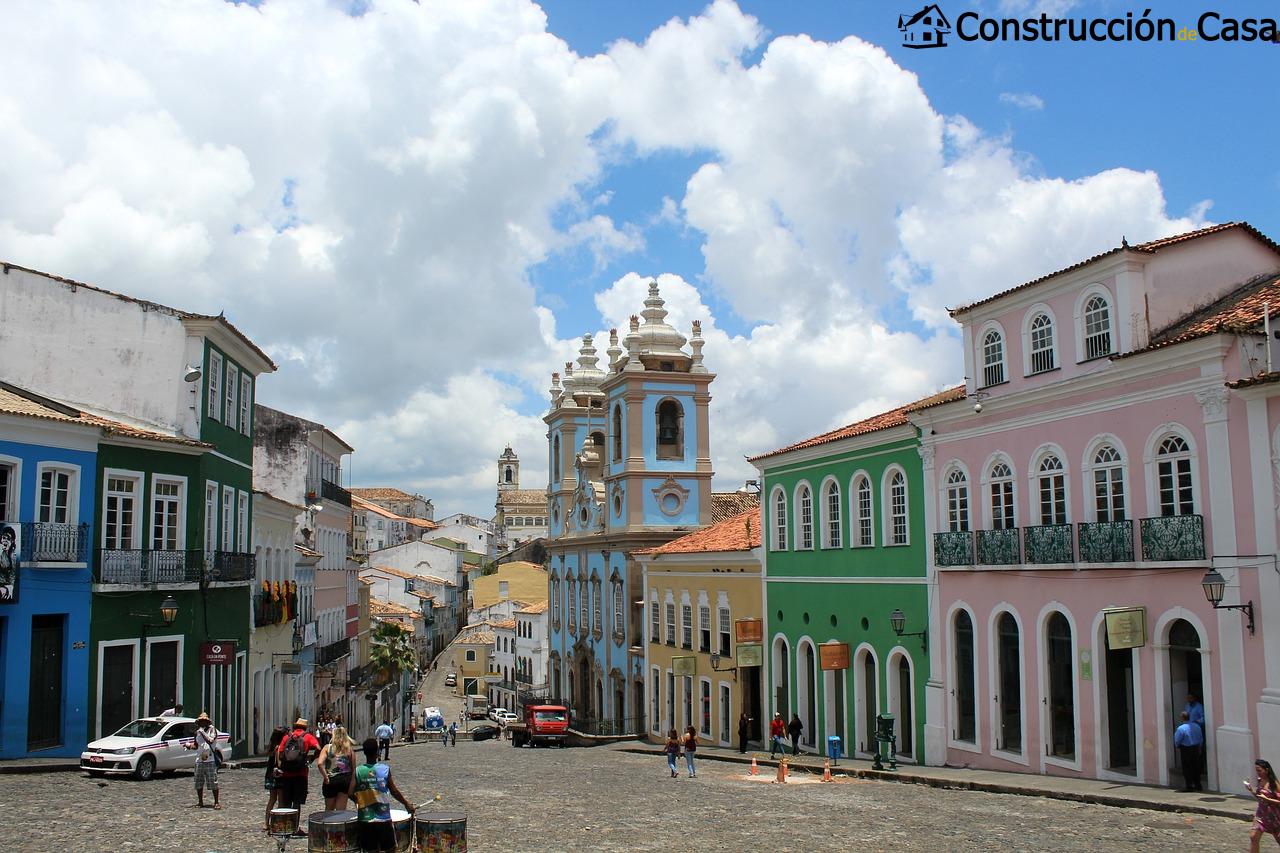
[391,650]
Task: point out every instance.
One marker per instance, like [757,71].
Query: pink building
[1118,443]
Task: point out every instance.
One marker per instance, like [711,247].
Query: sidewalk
[1094,791]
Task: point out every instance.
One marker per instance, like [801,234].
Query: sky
[419,208]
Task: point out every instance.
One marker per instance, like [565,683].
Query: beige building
[696,588]
[518,581]
[397,502]
[470,656]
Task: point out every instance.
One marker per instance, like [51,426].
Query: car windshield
[549,716]
[142,728]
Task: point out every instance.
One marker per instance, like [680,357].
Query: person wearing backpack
[297,750]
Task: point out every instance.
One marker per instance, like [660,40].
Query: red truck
[542,724]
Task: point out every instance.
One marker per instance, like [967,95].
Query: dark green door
[44,699]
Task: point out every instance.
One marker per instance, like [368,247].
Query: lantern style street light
[168,613]
[899,622]
[1214,584]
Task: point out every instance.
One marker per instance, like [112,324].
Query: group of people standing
[686,744]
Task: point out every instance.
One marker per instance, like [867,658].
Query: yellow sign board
[684,665]
[1126,627]
[750,654]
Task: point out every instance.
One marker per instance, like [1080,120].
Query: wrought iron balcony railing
[333,651]
[361,675]
[46,542]
[1105,541]
[953,548]
[1048,543]
[523,678]
[141,566]
[319,488]
[1173,537]
[278,610]
[999,547]
[232,566]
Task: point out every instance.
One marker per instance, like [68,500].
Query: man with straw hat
[296,750]
[205,743]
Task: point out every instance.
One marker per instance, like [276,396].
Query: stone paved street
[601,799]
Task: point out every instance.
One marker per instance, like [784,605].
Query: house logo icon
[926,28]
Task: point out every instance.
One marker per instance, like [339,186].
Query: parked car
[484,731]
[506,718]
[451,680]
[147,746]
[495,713]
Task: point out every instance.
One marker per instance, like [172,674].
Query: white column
[935,694]
[1233,739]
[1264,463]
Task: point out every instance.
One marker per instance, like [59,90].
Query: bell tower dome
[508,470]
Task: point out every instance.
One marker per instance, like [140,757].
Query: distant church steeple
[508,470]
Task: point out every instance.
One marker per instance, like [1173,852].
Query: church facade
[520,515]
[630,469]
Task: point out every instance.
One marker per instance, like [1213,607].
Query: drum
[403,822]
[441,832]
[282,821]
[333,832]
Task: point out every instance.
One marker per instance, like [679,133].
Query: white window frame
[669,619]
[1152,459]
[139,508]
[686,622]
[214,386]
[778,519]
[1082,321]
[707,698]
[231,410]
[705,624]
[724,630]
[73,489]
[227,540]
[890,517]
[180,639]
[953,739]
[1037,477]
[832,528]
[242,523]
[1002,364]
[862,522]
[246,403]
[989,479]
[958,518]
[1034,313]
[655,619]
[804,516]
[13,497]
[181,497]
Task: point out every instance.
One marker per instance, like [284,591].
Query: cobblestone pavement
[601,799]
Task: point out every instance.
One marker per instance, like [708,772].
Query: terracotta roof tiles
[382,493]
[1253,381]
[738,533]
[728,504]
[1238,312]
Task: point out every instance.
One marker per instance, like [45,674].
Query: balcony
[232,566]
[999,547]
[523,678]
[1172,538]
[953,548]
[360,676]
[139,566]
[45,542]
[1105,541]
[326,655]
[319,488]
[1048,543]
[277,610]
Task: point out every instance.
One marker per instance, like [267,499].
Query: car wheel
[146,768]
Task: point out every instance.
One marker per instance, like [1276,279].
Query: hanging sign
[748,630]
[684,665]
[833,655]
[217,654]
[1126,627]
[750,654]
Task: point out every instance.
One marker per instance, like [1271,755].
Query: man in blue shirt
[383,733]
[1188,739]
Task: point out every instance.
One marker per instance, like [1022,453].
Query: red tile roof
[19,401]
[381,493]
[728,504]
[1238,312]
[737,533]
[1149,247]
[884,420]
[1260,379]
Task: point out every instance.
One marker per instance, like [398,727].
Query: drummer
[374,788]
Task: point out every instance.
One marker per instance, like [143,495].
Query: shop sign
[684,665]
[751,654]
[748,630]
[217,654]
[833,655]
[1126,627]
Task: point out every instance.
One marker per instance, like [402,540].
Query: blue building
[48,466]
[630,465]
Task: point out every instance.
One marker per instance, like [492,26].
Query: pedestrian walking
[296,751]
[453,734]
[777,731]
[374,789]
[384,734]
[205,743]
[323,732]
[673,751]
[794,728]
[1266,818]
[1188,740]
[744,729]
[690,750]
[336,763]
[269,777]
[1195,709]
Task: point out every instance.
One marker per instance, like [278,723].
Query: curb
[986,787]
[29,769]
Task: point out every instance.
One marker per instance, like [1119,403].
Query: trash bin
[833,748]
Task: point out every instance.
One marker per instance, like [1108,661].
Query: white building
[275,615]
[520,514]
[473,533]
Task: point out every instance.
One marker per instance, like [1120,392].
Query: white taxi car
[147,746]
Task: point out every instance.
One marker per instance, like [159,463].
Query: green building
[845,548]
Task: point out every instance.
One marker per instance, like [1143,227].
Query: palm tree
[391,650]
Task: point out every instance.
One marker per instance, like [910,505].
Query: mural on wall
[8,563]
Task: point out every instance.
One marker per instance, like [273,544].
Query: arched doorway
[867,698]
[584,683]
[1118,707]
[781,679]
[1008,684]
[901,690]
[807,695]
[1185,678]
[1060,674]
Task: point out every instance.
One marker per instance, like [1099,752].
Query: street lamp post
[168,613]
[1214,584]
[899,622]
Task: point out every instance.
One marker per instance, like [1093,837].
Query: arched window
[992,358]
[584,617]
[1097,327]
[555,459]
[670,423]
[618,612]
[671,620]
[1059,663]
[1009,681]
[862,494]
[966,694]
[598,605]
[686,624]
[655,619]
[1042,352]
[897,509]
[1108,484]
[597,439]
[1051,483]
[831,504]
[617,433]
[957,501]
[573,605]
[1173,473]
[804,535]
[507,475]
[779,520]
[1001,482]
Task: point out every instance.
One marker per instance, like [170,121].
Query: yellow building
[519,581]
[703,594]
[469,656]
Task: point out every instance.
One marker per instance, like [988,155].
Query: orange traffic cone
[782,771]
[755,771]
[826,770]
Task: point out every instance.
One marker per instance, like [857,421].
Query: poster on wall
[1126,627]
[10,542]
